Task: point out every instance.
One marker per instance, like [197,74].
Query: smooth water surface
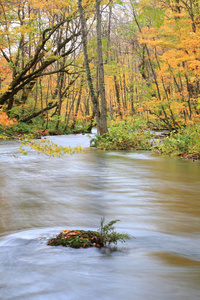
[157,200]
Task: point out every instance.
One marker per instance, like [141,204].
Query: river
[156,199]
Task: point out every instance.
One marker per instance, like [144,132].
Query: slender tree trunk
[109,31]
[88,72]
[77,105]
[117,96]
[103,116]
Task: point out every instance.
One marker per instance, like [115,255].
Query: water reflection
[156,199]
[176,259]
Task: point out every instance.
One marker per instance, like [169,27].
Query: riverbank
[127,135]
[184,143]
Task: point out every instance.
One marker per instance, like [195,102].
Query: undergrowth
[184,143]
[124,135]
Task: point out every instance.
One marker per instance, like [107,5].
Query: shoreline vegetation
[183,143]
[122,135]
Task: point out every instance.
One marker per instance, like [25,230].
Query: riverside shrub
[184,143]
[124,135]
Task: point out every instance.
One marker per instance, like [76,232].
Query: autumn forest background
[127,67]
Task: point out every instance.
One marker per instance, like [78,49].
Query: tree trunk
[103,116]
[77,105]
[86,58]
[117,96]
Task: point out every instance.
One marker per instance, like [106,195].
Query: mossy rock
[77,239]
[85,239]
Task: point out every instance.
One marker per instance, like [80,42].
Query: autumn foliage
[150,56]
[5,120]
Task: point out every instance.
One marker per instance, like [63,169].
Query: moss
[77,239]
[85,239]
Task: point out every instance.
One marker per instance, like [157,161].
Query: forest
[100,123]
[129,68]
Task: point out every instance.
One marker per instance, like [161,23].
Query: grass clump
[85,239]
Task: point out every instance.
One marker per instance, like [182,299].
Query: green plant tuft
[84,239]
[109,235]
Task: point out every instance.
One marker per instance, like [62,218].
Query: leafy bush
[123,135]
[20,128]
[184,143]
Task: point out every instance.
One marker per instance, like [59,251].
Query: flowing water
[157,200]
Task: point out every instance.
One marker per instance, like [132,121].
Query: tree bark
[35,114]
[77,105]
[103,116]
[87,66]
